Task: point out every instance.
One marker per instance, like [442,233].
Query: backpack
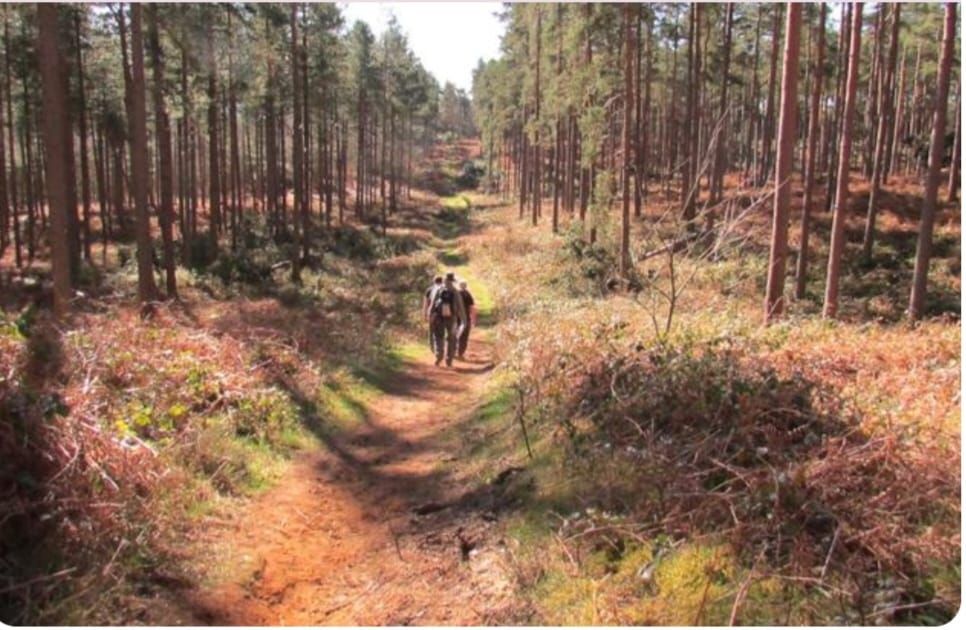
[443,302]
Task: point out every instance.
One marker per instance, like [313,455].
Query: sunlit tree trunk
[917,298]
[840,208]
[774,297]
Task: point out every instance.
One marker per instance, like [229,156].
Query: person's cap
[450,277]
[438,279]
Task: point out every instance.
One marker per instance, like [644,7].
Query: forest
[713,375]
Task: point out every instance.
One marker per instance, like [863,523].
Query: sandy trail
[375,528]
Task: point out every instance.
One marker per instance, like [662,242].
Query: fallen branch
[36,580]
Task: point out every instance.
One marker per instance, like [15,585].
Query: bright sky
[448,37]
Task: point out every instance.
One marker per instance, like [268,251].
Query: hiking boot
[449,363]
[438,362]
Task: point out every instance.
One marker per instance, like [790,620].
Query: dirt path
[377,527]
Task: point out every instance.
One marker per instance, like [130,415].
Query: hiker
[470,305]
[446,311]
[427,302]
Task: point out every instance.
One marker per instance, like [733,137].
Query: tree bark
[957,143]
[214,183]
[840,209]
[300,208]
[774,297]
[717,180]
[801,270]
[917,297]
[54,79]
[82,128]
[14,199]
[883,127]
[769,127]
[163,133]
[147,290]
[630,47]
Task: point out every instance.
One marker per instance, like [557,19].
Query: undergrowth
[717,471]
[117,434]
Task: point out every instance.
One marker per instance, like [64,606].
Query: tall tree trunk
[5,204]
[163,134]
[872,91]
[892,161]
[191,193]
[537,152]
[769,128]
[883,128]
[917,297]
[845,37]
[235,171]
[558,144]
[717,181]
[753,123]
[54,79]
[214,183]
[801,270]
[774,297]
[299,209]
[360,150]
[147,290]
[840,208]
[14,199]
[957,143]
[630,48]
[82,128]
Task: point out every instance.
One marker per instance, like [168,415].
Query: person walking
[446,311]
[470,305]
[427,303]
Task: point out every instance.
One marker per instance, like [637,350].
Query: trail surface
[376,527]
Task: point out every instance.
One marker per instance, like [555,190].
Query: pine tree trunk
[873,93]
[235,170]
[214,183]
[100,179]
[163,134]
[954,164]
[753,119]
[5,205]
[147,291]
[299,209]
[845,37]
[717,181]
[14,199]
[892,162]
[82,128]
[769,127]
[883,127]
[774,296]
[801,270]
[840,209]
[537,189]
[630,48]
[54,79]
[917,297]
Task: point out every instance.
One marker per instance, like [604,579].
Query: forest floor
[380,525]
